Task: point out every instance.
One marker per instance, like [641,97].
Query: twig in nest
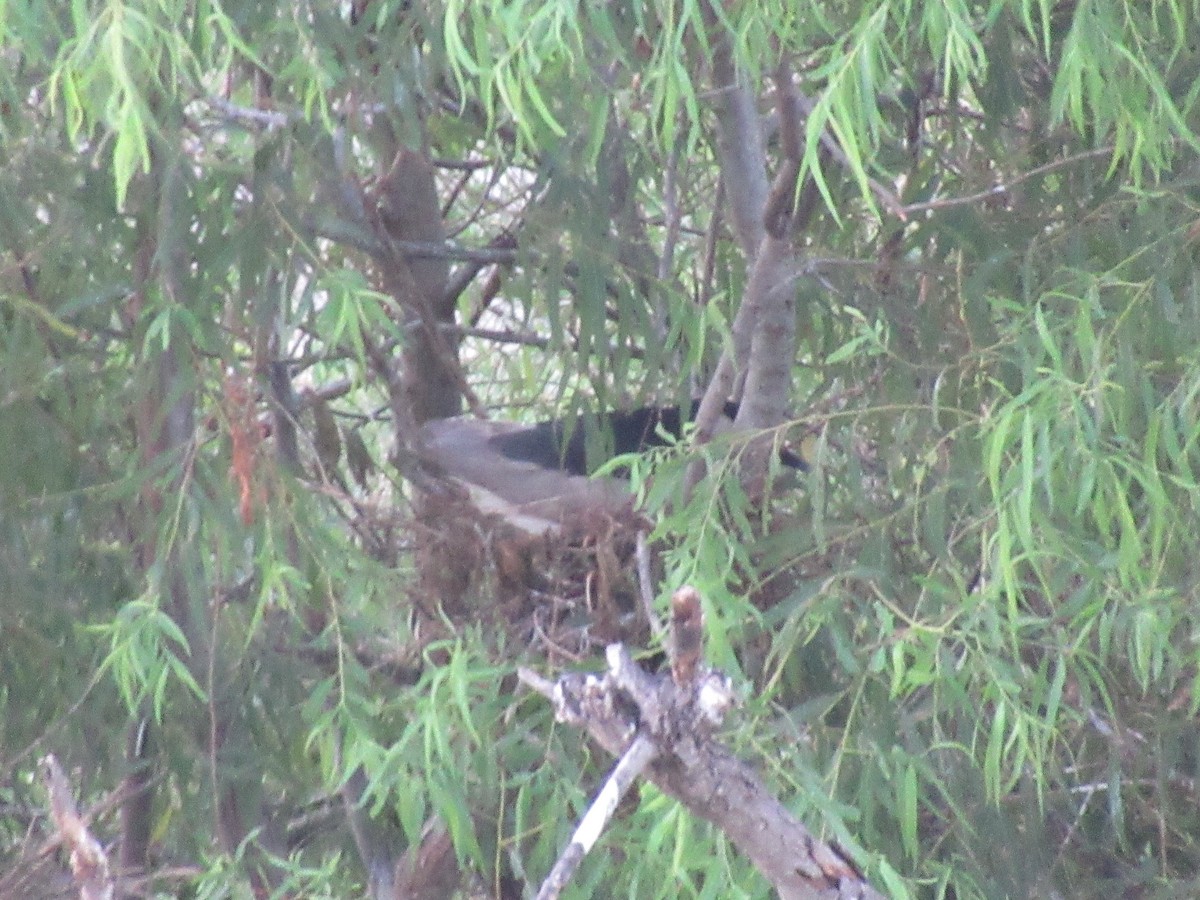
[645,590]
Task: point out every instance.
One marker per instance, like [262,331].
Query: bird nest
[569,588]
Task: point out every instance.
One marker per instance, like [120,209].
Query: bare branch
[501,336]
[89,864]
[1005,186]
[741,149]
[248,115]
[358,236]
[645,588]
[781,201]
[591,826]
[626,706]
[671,214]
[771,295]
[767,299]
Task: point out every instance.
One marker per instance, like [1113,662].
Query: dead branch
[89,863]
[663,724]
[591,826]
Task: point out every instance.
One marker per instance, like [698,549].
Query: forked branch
[662,725]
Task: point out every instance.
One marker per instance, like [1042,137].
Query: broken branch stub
[666,721]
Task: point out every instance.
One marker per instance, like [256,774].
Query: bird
[538,476]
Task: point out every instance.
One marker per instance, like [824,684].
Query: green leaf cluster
[966,638]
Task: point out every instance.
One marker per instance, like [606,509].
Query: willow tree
[246,248]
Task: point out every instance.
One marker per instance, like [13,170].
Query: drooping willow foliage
[967,638]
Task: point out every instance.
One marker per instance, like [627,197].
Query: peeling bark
[670,719]
[89,863]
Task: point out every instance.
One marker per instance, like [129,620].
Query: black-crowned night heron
[537,476]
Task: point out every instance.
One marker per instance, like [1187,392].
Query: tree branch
[740,148]
[664,723]
[89,864]
[772,292]
[1005,186]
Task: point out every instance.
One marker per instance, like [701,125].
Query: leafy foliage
[967,641]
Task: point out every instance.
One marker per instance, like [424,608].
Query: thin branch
[430,250]
[268,118]
[592,825]
[671,213]
[465,274]
[709,268]
[466,165]
[645,586]
[500,336]
[355,235]
[771,293]
[89,863]
[740,148]
[1005,187]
